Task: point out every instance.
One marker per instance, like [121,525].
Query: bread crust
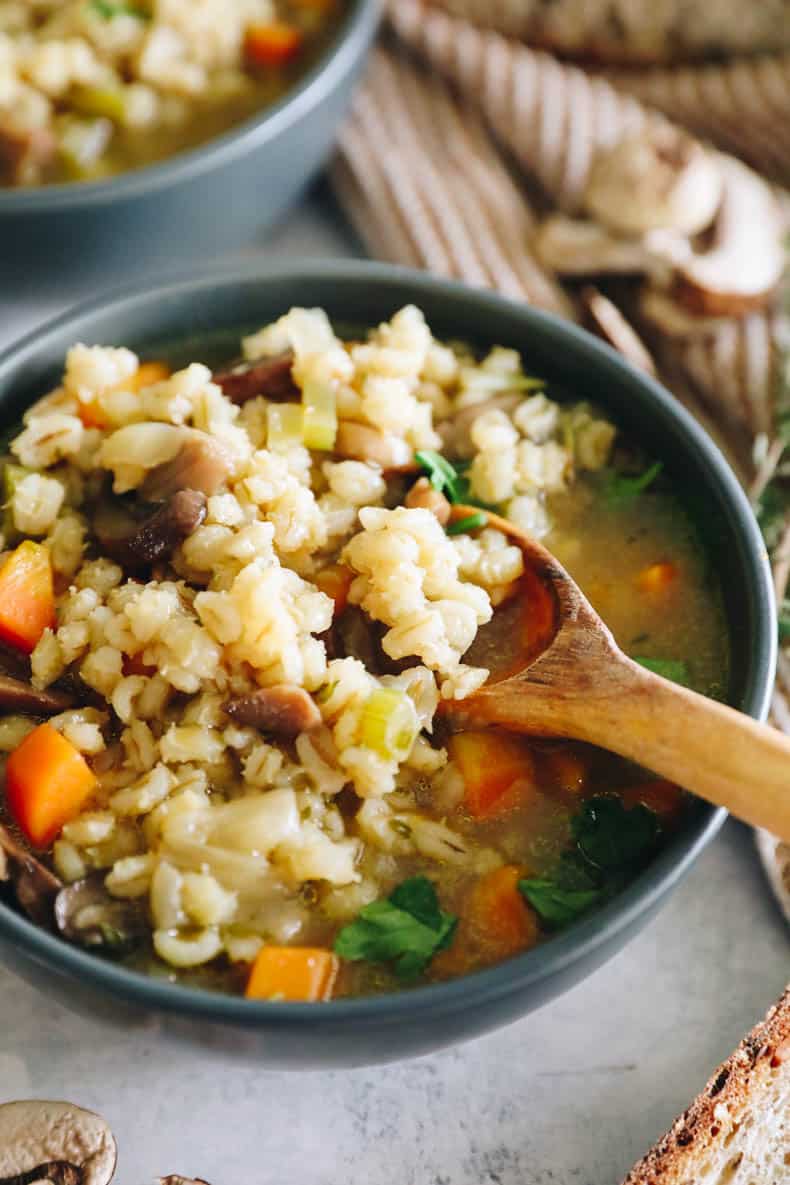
[736,1089]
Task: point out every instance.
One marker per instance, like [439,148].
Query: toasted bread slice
[737,1131]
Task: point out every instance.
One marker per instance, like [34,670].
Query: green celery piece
[470,523]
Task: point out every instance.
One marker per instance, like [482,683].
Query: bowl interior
[201,318]
[351,38]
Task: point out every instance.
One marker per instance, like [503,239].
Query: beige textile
[460,138]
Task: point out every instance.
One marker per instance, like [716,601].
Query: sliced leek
[284,426]
[389,723]
[109,102]
[320,416]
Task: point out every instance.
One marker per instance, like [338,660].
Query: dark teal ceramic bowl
[214,309]
[197,204]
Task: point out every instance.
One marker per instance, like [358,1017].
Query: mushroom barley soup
[90,88]
[235,608]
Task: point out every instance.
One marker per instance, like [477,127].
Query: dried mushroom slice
[35,887]
[578,247]
[86,914]
[661,178]
[56,1142]
[177,1179]
[746,259]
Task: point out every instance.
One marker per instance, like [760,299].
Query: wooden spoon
[557,671]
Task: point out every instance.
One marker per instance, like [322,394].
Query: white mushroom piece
[660,178]
[56,1142]
[745,261]
[704,229]
[581,247]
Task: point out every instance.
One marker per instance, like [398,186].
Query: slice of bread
[737,1131]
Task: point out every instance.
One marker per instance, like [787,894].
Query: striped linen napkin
[461,139]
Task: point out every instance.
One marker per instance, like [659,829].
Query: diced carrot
[499,915]
[273,44]
[146,375]
[498,771]
[292,973]
[496,923]
[657,577]
[92,413]
[335,581]
[566,769]
[47,783]
[27,599]
[664,798]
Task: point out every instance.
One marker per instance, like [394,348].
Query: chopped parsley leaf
[620,489]
[406,929]
[610,843]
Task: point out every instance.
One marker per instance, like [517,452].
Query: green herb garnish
[609,845]
[470,523]
[406,929]
[619,489]
[448,479]
[107,9]
[784,621]
[668,668]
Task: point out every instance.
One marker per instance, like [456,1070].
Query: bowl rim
[517,974]
[307,92]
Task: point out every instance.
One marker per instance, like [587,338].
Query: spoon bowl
[559,672]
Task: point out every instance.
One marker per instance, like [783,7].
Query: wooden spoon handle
[704,746]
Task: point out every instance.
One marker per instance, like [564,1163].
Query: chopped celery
[106,101]
[389,723]
[320,416]
[81,143]
[12,475]
[284,425]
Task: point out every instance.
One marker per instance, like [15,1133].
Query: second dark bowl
[194,314]
[195,205]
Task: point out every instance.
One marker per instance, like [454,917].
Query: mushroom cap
[660,178]
[746,259]
[35,1132]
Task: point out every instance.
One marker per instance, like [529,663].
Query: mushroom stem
[59,1172]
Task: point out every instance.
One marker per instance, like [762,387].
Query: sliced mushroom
[86,914]
[270,377]
[746,260]
[18,696]
[422,495]
[360,442]
[283,710]
[201,464]
[455,432]
[176,1179]
[659,178]
[53,1141]
[35,887]
[574,247]
[134,545]
[609,323]
[661,310]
